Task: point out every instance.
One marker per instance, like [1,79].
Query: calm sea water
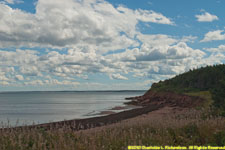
[42,107]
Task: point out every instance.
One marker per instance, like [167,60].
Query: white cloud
[91,30]
[34,82]
[149,53]
[64,82]
[30,70]
[6,69]
[4,83]
[156,40]
[118,76]
[52,82]
[151,16]
[12,1]
[220,48]
[18,57]
[52,69]
[206,17]
[214,58]
[164,61]
[189,38]
[214,35]
[68,23]
[19,77]
[3,78]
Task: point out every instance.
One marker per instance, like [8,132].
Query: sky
[49,45]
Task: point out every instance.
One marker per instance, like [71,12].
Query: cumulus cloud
[162,60]
[4,83]
[6,69]
[118,76]
[214,58]
[220,49]
[12,1]
[19,77]
[149,53]
[157,40]
[214,35]
[206,17]
[3,78]
[51,82]
[68,23]
[30,70]
[18,57]
[189,38]
[54,68]
[151,16]
[97,38]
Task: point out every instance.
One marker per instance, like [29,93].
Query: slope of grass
[205,95]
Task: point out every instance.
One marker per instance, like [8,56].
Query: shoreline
[113,110]
[101,118]
[148,103]
[92,122]
[108,108]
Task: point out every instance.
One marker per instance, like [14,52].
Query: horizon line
[73,91]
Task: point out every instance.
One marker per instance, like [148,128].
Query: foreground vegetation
[189,128]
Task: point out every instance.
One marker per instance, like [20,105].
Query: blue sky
[106,44]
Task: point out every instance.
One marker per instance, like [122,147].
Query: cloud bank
[66,44]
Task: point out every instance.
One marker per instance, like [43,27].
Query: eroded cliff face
[166,99]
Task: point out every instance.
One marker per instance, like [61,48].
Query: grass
[183,129]
[206,95]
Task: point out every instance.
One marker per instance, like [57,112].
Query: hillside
[204,85]
[202,79]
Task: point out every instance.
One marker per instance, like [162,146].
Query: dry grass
[183,128]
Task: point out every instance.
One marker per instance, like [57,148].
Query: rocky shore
[149,102]
[165,99]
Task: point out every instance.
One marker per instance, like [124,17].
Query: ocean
[26,108]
